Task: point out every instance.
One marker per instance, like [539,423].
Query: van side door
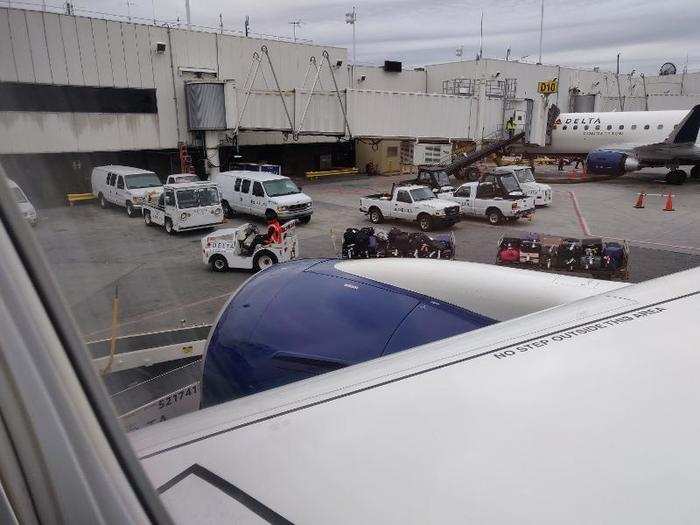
[120,192]
[245,196]
[258,200]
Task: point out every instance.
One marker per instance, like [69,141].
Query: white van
[23,203]
[178,178]
[254,192]
[123,186]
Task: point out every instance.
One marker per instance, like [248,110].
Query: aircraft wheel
[676,177]
[695,172]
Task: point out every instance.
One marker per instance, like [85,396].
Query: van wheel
[264,260]
[425,222]
[228,211]
[218,263]
[130,210]
[494,216]
[101,199]
[375,216]
[169,227]
[147,218]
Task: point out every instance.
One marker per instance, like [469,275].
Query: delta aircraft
[616,143]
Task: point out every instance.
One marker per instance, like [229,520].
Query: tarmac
[163,284]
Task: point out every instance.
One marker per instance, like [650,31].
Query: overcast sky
[576,33]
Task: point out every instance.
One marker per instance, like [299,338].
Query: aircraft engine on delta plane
[609,162]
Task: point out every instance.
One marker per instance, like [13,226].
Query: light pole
[351,18]
[541,29]
[295,24]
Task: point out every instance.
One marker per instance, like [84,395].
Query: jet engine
[608,162]
[308,317]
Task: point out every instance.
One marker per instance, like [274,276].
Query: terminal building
[76,92]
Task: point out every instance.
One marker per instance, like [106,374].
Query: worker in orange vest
[274,228]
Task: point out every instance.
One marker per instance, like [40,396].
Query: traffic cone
[669,203]
[640,200]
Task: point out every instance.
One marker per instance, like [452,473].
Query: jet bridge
[315,109]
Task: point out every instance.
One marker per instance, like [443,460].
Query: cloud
[584,33]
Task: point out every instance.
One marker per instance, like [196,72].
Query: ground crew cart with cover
[236,248]
[184,206]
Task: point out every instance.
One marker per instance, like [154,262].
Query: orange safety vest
[274,232]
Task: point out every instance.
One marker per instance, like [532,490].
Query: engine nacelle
[607,162]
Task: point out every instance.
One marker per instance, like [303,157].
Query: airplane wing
[584,413]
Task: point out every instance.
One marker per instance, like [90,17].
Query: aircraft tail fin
[687,130]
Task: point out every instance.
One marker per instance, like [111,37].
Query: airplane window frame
[647,126]
[660,126]
[597,128]
[585,128]
[609,127]
[563,128]
[621,127]
[633,126]
[57,312]
[575,128]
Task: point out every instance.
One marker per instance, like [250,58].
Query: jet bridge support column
[212,162]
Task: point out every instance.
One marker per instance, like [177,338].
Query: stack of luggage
[591,255]
[367,243]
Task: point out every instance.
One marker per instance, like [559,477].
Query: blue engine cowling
[305,318]
[608,162]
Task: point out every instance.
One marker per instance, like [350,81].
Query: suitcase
[592,246]
[613,256]
[569,254]
[530,251]
[509,255]
[591,262]
[550,251]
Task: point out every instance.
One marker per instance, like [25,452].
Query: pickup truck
[184,206]
[411,203]
[483,199]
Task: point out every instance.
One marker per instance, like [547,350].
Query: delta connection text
[583,330]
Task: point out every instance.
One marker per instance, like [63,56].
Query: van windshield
[279,187]
[145,180]
[422,194]
[197,197]
[20,197]
[524,175]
